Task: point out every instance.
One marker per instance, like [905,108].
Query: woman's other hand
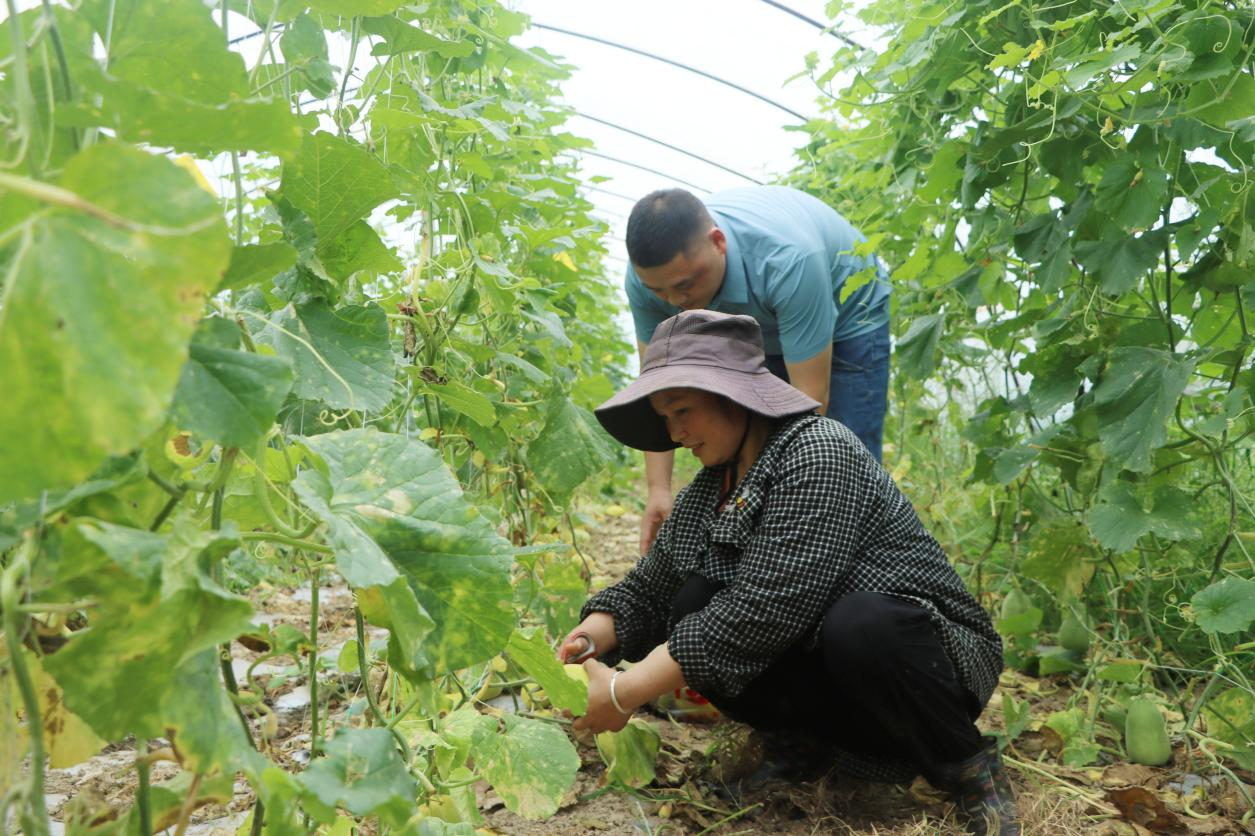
[601,716]
[597,628]
[657,509]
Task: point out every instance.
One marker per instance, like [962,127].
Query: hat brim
[630,418]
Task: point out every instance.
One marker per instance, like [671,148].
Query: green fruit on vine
[1073,634]
[1016,603]
[1145,736]
[1115,714]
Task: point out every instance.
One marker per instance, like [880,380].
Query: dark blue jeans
[859,392]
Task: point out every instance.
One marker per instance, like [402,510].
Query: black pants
[880,684]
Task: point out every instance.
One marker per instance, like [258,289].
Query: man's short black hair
[663,224]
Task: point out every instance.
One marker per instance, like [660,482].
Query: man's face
[693,277]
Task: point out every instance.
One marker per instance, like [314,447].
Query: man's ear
[718,239]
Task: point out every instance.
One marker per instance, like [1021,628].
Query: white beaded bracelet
[614,700]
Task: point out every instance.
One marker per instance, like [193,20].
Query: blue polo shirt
[789,255]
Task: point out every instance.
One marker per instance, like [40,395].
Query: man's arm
[658,497]
[813,377]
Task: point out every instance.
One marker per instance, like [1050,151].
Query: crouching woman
[792,585]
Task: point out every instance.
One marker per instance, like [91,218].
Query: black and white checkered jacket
[814,519]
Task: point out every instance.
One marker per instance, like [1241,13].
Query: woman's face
[708,425]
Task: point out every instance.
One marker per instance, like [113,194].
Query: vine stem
[261,489]
[21,81]
[36,823]
[142,801]
[185,810]
[314,744]
[239,197]
[364,671]
[59,48]
[268,537]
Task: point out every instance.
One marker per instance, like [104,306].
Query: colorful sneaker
[685,705]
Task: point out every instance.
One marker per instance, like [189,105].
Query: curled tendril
[329,418]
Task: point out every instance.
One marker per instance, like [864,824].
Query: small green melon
[1145,737]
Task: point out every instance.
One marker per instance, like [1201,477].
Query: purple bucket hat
[715,352]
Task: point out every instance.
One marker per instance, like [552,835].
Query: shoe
[982,792]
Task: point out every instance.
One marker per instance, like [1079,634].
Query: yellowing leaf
[188,163]
[428,434]
[1011,56]
[69,740]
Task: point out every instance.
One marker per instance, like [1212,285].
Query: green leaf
[570,448]
[138,114]
[304,45]
[399,494]
[145,586]
[1016,715]
[1231,718]
[357,248]
[363,772]
[1227,606]
[353,8]
[465,401]
[341,357]
[1118,263]
[631,754]
[532,653]
[201,721]
[1122,670]
[916,352]
[1100,61]
[531,766]
[1223,101]
[1060,555]
[395,608]
[1131,194]
[254,263]
[1059,660]
[226,395]
[1118,521]
[1135,398]
[467,733]
[335,182]
[96,319]
[1021,624]
[398,37]
[173,81]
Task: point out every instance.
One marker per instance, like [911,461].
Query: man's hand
[597,628]
[602,716]
[657,509]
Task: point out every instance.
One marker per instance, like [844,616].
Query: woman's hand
[597,628]
[602,716]
[657,508]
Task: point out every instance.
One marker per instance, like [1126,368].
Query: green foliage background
[375,353]
[1064,192]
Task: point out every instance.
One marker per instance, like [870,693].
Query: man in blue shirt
[784,258]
